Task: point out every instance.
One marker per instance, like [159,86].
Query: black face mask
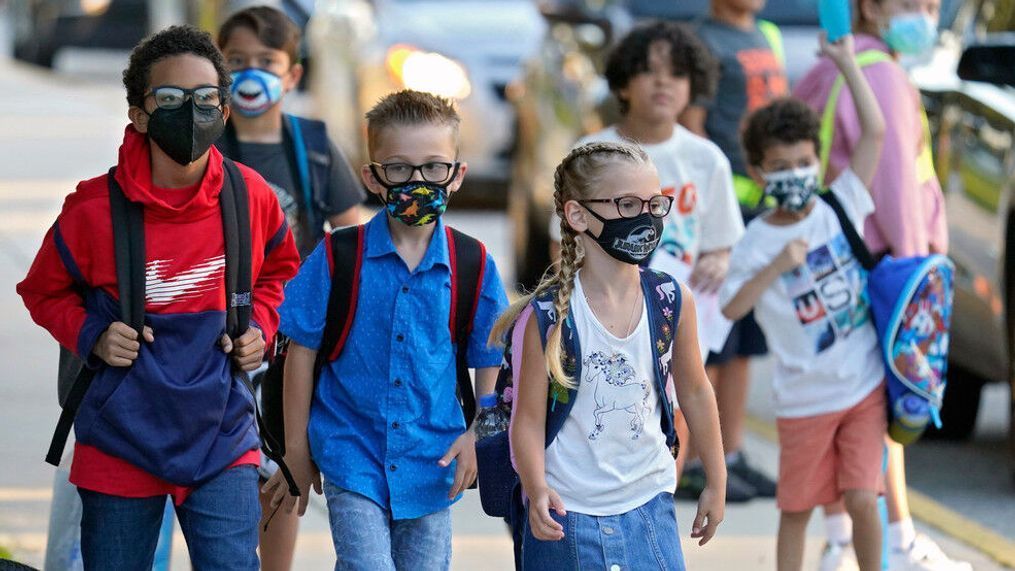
[629,240]
[185,133]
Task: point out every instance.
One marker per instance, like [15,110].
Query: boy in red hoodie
[165,415]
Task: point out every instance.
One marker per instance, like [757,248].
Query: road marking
[930,512]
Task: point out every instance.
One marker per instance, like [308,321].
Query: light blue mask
[911,34]
[254,91]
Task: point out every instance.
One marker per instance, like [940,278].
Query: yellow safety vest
[924,161]
[749,194]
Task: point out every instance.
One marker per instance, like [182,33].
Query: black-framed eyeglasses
[631,206]
[171,97]
[397,173]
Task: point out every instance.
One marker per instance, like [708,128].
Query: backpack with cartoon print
[499,488]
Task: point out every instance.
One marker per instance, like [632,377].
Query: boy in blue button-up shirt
[384,426]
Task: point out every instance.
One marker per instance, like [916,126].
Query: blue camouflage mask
[254,91]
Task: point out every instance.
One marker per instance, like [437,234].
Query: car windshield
[782,12]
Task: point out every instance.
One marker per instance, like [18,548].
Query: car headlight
[428,71]
[94,7]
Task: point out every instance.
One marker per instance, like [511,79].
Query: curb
[930,512]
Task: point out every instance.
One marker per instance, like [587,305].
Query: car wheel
[961,406]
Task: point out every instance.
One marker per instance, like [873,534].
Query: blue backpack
[911,303]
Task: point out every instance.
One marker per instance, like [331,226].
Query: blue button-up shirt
[385,411]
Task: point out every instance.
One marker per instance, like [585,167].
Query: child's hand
[840,51]
[464,449]
[248,351]
[305,473]
[792,256]
[118,345]
[710,271]
[711,509]
[544,527]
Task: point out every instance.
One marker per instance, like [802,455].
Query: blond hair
[576,178]
[408,107]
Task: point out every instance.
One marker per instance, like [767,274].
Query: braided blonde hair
[576,178]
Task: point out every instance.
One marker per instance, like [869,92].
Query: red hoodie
[184,247]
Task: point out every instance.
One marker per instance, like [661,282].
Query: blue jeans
[367,539]
[218,520]
[643,538]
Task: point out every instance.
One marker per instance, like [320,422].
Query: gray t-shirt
[750,76]
[343,190]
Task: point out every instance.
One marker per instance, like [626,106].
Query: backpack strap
[236,231]
[468,266]
[127,220]
[856,243]
[664,300]
[345,249]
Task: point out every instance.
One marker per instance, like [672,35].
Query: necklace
[634,312]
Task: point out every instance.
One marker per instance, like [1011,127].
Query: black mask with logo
[629,240]
[185,133]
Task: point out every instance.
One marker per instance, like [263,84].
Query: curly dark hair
[174,40]
[690,58]
[785,121]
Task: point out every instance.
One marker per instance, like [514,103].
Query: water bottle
[833,15]
[491,419]
[910,418]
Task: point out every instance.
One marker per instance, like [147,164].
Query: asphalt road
[58,129]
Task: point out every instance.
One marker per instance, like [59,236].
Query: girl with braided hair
[592,432]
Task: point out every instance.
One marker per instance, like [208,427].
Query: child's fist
[792,256]
[840,51]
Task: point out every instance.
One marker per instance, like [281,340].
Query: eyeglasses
[170,97]
[631,206]
[397,173]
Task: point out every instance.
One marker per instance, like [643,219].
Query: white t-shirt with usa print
[816,318]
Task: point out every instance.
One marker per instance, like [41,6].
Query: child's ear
[456,182]
[575,215]
[138,118]
[755,172]
[370,181]
[292,79]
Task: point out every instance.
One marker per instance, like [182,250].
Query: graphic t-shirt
[816,318]
[750,76]
[705,215]
[271,161]
[611,455]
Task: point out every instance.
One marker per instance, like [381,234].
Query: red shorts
[822,456]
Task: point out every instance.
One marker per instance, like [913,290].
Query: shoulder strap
[774,38]
[856,243]
[302,163]
[827,130]
[127,219]
[236,230]
[345,248]
[468,266]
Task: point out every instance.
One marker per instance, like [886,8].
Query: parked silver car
[469,50]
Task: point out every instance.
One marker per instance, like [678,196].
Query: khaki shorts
[825,455]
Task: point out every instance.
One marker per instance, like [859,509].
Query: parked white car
[469,50]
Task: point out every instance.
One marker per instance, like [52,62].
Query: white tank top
[611,455]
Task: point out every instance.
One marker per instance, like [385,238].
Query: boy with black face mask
[179,422]
[385,429]
[306,170]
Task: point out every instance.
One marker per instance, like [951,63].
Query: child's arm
[697,402]
[867,151]
[528,438]
[297,392]
[464,447]
[792,256]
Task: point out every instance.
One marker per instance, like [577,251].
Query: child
[310,176]
[384,425]
[179,423]
[306,170]
[795,268]
[654,72]
[606,469]
[751,74]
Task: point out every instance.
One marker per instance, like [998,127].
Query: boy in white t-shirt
[655,72]
[795,268]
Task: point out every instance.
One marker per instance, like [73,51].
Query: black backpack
[129,251]
[468,265]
